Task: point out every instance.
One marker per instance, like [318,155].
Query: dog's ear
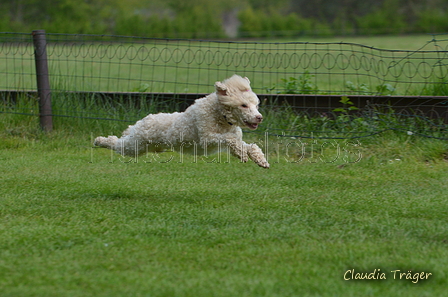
[247,79]
[221,88]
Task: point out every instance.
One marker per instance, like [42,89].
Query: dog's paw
[264,164]
[106,142]
[99,141]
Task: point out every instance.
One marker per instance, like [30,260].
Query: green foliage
[135,24]
[385,89]
[290,86]
[438,88]
[198,23]
[204,19]
[251,23]
[154,26]
[431,20]
[385,20]
[322,29]
[296,25]
[259,23]
[303,85]
[344,116]
[361,89]
[347,106]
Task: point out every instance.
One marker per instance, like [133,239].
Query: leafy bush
[439,87]
[361,89]
[251,23]
[385,89]
[194,23]
[431,20]
[257,23]
[296,25]
[198,23]
[386,20]
[302,85]
[202,19]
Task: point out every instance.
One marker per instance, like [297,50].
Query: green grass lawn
[80,222]
[408,65]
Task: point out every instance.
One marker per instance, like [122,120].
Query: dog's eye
[244,105]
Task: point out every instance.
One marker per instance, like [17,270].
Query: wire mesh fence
[124,78]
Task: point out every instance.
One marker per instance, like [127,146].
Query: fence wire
[162,72]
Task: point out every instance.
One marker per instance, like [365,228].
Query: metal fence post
[43,81]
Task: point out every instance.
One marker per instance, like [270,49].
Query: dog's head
[240,104]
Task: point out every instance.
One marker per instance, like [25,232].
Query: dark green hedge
[204,19]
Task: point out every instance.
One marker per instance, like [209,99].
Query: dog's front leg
[245,151]
[238,149]
[256,154]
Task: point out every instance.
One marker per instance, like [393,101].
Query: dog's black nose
[259,118]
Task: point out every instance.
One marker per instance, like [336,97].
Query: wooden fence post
[43,81]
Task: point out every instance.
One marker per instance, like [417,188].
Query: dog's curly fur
[209,125]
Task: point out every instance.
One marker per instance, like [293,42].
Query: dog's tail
[106,142]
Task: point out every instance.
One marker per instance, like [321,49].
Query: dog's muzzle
[254,125]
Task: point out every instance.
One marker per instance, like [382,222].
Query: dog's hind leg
[125,146]
[106,142]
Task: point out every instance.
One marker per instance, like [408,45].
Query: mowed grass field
[78,221]
[409,65]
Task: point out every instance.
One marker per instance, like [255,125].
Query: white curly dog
[210,125]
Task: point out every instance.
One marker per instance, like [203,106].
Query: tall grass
[345,134]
